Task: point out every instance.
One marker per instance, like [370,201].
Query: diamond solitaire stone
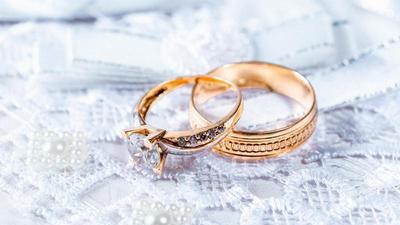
[152,157]
[136,147]
[140,153]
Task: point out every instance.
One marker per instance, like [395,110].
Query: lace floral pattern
[62,157]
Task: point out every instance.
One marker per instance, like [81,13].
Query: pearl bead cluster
[51,150]
[157,213]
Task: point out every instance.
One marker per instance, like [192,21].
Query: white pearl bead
[149,220]
[136,222]
[188,209]
[60,147]
[173,207]
[47,147]
[157,205]
[160,219]
[51,150]
[80,135]
[184,219]
[163,219]
[144,204]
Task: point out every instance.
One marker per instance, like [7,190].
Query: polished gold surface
[190,141]
[275,78]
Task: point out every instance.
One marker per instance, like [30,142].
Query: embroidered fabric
[68,89]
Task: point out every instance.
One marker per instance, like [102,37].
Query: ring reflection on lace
[57,151]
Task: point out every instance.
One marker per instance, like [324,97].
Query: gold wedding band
[155,143]
[269,143]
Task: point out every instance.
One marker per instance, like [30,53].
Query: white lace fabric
[67,89]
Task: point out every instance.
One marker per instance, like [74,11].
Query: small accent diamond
[211,133]
[219,129]
[198,136]
[181,141]
[203,136]
[193,140]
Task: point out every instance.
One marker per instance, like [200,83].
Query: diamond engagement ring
[151,145]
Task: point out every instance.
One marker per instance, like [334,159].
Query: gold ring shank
[181,142]
[269,143]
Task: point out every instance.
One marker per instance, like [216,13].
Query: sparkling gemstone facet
[136,147]
[203,136]
[152,157]
[198,136]
[142,154]
[211,133]
[181,141]
[220,129]
[137,141]
[193,140]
